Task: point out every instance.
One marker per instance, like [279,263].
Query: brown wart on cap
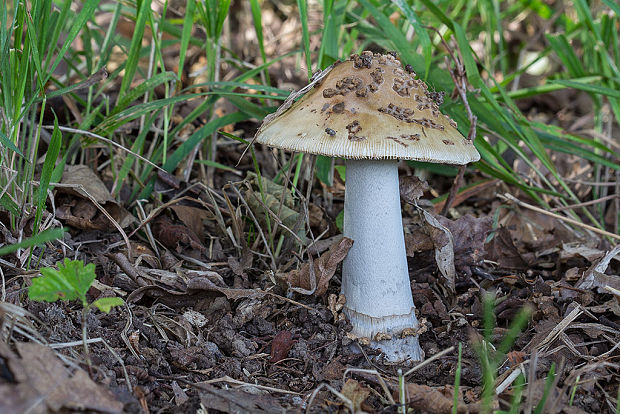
[362,92]
[330,93]
[377,76]
[429,123]
[402,114]
[411,137]
[338,108]
[436,97]
[362,61]
[353,128]
[398,141]
[402,86]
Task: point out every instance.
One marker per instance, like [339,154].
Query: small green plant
[491,357]
[71,281]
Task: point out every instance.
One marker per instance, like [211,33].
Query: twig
[291,301]
[587,203]
[557,216]
[230,380]
[428,361]
[106,140]
[456,184]
[344,399]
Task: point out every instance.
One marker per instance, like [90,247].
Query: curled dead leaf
[81,189]
[434,401]
[315,279]
[176,237]
[356,393]
[281,345]
[444,249]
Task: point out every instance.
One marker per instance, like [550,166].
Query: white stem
[375,275]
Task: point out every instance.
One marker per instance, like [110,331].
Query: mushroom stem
[375,275]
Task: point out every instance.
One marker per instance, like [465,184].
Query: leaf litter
[196,324]
[278,332]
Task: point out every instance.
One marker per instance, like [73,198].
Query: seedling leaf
[71,281]
[105,304]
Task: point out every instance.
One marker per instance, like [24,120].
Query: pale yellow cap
[367,107]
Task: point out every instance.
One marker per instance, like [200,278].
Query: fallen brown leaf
[315,280]
[411,188]
[177,237]
[45,384]
[503,251]
[76,208]
[444,249]
[432,401]
[355,392]
[595,277]
[281,345]
[192,217]
[468,236]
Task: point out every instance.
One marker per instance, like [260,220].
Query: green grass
[491,355]
[582,42]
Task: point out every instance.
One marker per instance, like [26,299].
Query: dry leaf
[355,392]
[281,345]
[433,401]
[192,217]
[595,276]
[444,248]
[503,251]
[468,235]
[315,280]
[571,250]
[175,237]
[411,188]
[180,397]
[43,376]
[80,212]
[86,182]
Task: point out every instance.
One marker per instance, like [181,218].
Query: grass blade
[46,173]
[133,55]
[305,34]
[85,14]
[36,240]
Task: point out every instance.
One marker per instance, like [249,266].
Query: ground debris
[41,380]
[435,401]
[314,279]
[235,401]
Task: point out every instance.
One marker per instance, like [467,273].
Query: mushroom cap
[368,107]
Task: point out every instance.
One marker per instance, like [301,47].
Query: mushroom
[372,112]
